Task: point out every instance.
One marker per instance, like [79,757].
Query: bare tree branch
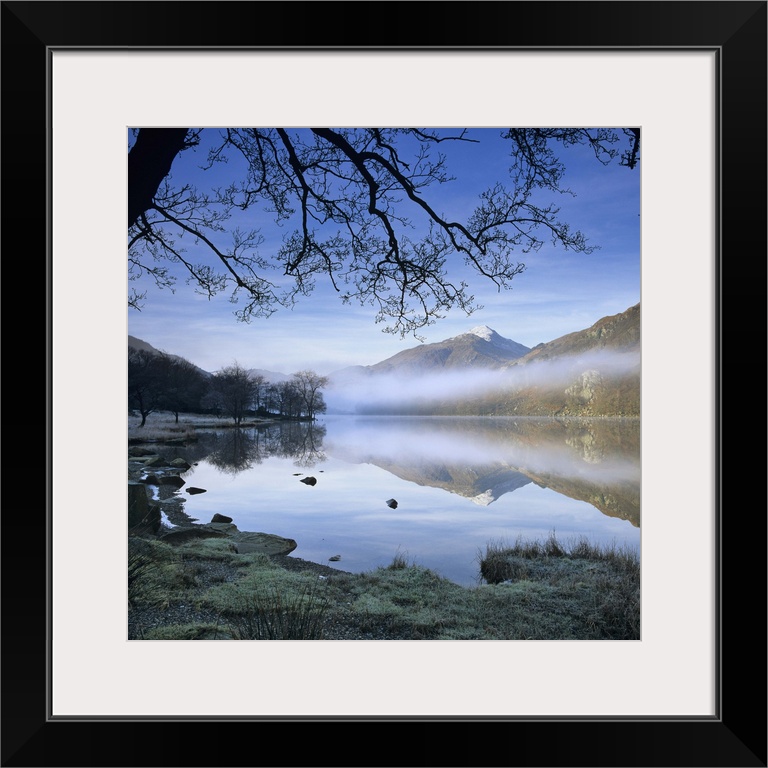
[360,213]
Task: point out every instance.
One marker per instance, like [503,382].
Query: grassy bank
[540,590]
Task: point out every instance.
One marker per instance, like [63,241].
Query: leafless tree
[184,384]
[145,382]
[286,400]
[233,390]
[308,385]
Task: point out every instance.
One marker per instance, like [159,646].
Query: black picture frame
[736,736]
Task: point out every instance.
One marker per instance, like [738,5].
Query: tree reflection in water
[235,450]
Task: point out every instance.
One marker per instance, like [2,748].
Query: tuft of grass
[399,561]
[598,587]
[142,570]
[280,615]
[513,563]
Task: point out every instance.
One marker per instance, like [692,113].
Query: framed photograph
[690,76]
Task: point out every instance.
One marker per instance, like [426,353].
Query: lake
[459,483]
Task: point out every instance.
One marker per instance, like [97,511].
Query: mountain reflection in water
[531,475]
[593,460]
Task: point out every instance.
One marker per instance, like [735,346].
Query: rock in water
[335,558]
[391,503]
[309,480]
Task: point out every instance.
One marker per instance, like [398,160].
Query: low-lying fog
[356,389]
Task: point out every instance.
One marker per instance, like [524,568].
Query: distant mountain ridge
[144,346]
[614,332]
[591,372]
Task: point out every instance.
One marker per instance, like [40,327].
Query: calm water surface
[459,483]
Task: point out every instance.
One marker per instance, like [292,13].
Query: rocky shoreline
[166,520]
[146,464]
[155,507]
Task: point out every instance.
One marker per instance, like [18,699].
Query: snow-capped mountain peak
[483,331]
[488,334]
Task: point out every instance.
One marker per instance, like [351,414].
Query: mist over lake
[459,484]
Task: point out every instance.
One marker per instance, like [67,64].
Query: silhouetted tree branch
[149,162]
[349,196]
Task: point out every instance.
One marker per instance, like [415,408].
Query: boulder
[309,480]
[244,541]
[266,543]
[217,518]
[228,528]
[180,464]
[391,503]
[141,514]
[194,490]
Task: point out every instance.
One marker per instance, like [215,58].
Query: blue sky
[558,293]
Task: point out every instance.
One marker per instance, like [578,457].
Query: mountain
[398,384]
[480,347]
[145,346]
[141,345]
[616,332]
[477,349]
[591,372]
